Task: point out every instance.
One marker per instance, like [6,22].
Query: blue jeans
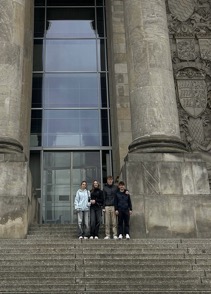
[83,223]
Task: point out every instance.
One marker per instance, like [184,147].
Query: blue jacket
[82,200]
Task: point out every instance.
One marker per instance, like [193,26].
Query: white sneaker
[80,237]
[86,238]
[107,237]
[115,237]
[120,236]
[91,237]
[127,236]
[96,237]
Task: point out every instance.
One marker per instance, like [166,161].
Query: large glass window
[71,55]
[70,132]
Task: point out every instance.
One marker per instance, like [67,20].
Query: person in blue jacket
[82,204]
[123,209]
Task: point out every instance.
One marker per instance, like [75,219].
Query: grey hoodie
[82,200]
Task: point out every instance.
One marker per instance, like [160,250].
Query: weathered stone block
[166,193]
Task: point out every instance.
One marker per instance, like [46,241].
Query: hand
[117,212]
[103,210]
[126,192]
[130,212]
[93,201]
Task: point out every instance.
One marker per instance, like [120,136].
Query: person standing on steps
[123,209]
[82,205]
[95,209]
[109,192]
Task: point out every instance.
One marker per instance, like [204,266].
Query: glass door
[62,174]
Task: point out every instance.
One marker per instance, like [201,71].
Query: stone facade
[160,85]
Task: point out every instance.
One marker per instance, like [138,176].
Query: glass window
[39,2]
[89,163]
[70,23]
[38,55]
[104,126]
[103,90]
[39,22]
[71,90]
[71,128]
[101,54]
[37,88]
[70,2]
[36,127]
[71,55]
[100,23]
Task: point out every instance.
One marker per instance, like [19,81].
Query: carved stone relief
[189,23]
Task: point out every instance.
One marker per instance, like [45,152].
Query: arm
[77,198]
[116,204]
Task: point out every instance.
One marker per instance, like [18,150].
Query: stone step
[109,273]
[87,255]
[109,286]
[91,250]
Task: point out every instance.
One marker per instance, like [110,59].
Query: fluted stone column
[155,126]
[12,15]
[16,35]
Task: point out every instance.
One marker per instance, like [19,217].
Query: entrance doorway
[59,175]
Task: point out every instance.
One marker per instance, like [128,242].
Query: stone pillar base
[9,145]
[15,194]
[157,144]
[170,195]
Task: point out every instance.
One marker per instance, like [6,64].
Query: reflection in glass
[104,126]
[70,23]
[103,90]
[37,87]
[100,23]
[71,3]
[101,54]
[39,22]
[71,55]
[71,90]
[39,2]
[38,55]
[71,128]
[36,127]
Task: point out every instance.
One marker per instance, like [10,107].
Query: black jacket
[109,192]
[97,195]
[122,201]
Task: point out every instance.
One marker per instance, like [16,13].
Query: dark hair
[110,177]
[84,182]
[121,183]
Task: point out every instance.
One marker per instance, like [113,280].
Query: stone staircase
[53,260]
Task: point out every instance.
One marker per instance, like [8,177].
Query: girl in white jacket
[82,204]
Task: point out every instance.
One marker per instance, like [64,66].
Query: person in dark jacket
[123,208]
[95,209]
[109,192]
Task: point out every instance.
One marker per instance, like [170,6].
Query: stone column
[155,125]
[16,35]
[12,42]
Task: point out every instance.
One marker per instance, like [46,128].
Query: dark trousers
[123,222]
[95,220]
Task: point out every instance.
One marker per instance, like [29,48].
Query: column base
[157,144]
[170,195]
[8,145]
